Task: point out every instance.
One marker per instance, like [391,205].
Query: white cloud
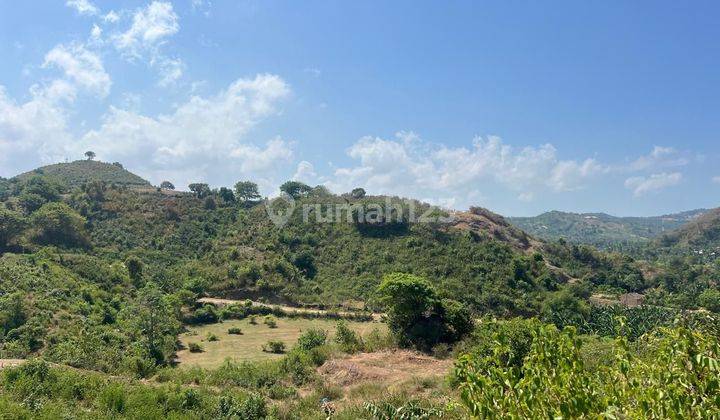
[34,131]
[569,175]
[201,5]
[150,28]
[81,66]
[409,166]
[203,139]
[305,172]
[204,135]
[96,32]
[641,185]
[171,70]
[659,157]
[111,17]
[83,7]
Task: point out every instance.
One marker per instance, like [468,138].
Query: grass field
[248,346]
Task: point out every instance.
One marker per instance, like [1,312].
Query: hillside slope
[701,234]
[600,229]
[75,174]
[226,248]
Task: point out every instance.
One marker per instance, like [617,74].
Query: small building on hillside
[632,300]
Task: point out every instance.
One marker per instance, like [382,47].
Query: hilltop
[75,174]
[600,229]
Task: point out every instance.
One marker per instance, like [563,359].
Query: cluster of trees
[244,192]
[418,316]
[37,216]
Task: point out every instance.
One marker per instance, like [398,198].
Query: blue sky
[520,107]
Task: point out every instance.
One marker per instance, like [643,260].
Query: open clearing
[369,376]
[387,367]
[248,346]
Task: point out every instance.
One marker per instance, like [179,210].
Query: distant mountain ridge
[601,229]
[702,233]
[75,174]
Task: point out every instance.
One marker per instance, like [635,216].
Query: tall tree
[90,155]
[246,191]
[200,190]
[358,193]
[226,195]
[11,225]
[167,185]
[295,189]
[153,319]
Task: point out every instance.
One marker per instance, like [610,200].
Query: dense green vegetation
[673,373]
[99,278]
[78,173]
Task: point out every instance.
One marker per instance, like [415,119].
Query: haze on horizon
[578,107]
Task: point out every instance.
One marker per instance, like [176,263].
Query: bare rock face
[486,224]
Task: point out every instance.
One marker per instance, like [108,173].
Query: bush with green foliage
[195,348]
[710,300]
[270,321]
[12,224]
[347,339]
[274,346]
[552,380]
[312,338]
[416,314]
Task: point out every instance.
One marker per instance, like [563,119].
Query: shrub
[297,364]
[273,346]
[375,340]
[212,337]
[710,300]
[195,348]
[253,320]
[312,338]
[270,321]
[347,339]
[235,331]
[207,314]
[251,408]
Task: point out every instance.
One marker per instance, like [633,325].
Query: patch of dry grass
[248,346]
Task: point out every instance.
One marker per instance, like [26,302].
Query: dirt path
[10,362]
[225,302]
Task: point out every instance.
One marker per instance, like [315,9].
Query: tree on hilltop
[247,191]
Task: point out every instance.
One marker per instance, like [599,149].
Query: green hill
[701,234]
[75,174]
[600,229]
[104,278]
